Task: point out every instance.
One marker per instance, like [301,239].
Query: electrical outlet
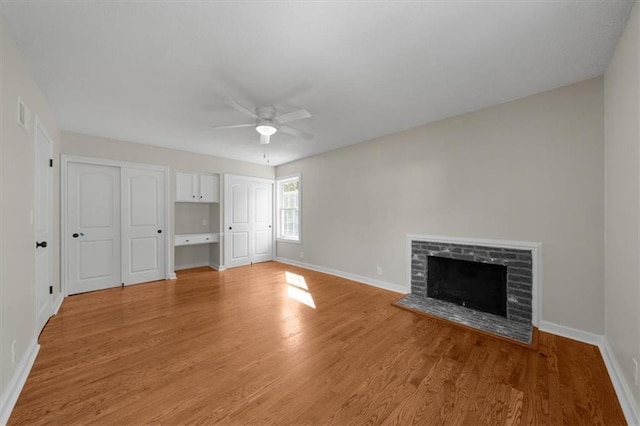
[301,255]
[379,270]
[13,352]
[204,222]
[635,371]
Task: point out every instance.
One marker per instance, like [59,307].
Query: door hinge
[50,162]
[50,289]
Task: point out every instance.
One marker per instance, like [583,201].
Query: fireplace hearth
[484,284]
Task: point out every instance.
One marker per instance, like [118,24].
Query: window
[289,203]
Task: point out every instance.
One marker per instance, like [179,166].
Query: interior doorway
[115,224]
[248,220]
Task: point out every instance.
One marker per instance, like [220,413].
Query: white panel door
[237,225]
[262,222]
[93,227]
[143,225]
[248,221]
[43,227]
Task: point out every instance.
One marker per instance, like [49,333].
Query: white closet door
[44,227]
[143,221]
[237,226]
[262,222]
[248,221]
[93,227]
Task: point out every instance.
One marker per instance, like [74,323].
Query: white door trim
[64,165]
[255,179]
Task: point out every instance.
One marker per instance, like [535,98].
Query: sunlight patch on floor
[298,289]
[301,296]
[297,280]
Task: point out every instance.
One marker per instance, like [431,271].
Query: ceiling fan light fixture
[266,129]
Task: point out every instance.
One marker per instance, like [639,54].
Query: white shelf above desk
[192,239]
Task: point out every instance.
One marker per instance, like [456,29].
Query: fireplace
[485,284]
[475,285]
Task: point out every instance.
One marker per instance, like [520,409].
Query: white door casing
[43,225]
[248,221]
[143,225]
[93,227]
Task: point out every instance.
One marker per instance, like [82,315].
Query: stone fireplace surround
[523,262]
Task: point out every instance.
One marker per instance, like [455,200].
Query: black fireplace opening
[479,286]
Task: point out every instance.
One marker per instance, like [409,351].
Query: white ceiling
[159,72]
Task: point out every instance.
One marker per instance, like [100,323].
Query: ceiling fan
[267,123]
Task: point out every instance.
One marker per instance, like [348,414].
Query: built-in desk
[191,239]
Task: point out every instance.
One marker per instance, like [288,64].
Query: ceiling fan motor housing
[266,112]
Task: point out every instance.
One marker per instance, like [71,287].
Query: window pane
[288,206]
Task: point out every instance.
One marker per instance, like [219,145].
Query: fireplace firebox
[475,285]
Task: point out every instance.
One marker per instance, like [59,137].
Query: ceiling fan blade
[295,132]
[233,126]
[242,109]
[264,139]
[300,114]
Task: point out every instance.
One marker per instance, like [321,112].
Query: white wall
[528,170]
[17,235]
[622,200]
[98,147]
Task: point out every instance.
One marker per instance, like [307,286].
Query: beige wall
[622,198]
[17,235]
[103,148]
[528,170]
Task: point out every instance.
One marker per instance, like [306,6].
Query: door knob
[229,227]
[159,231]
[42,244]
[75,235]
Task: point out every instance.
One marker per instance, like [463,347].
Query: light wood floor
[236,347]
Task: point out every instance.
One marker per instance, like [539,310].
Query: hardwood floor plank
[242,347]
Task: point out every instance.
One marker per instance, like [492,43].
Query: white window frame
[279,186]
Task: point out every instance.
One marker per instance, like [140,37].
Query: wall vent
[23,115]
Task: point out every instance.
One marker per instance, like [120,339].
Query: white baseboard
[353,277]
[11,394]
[216,267]
[57,304]
[570,333]
[173,276]
[623,391]
[191,265]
